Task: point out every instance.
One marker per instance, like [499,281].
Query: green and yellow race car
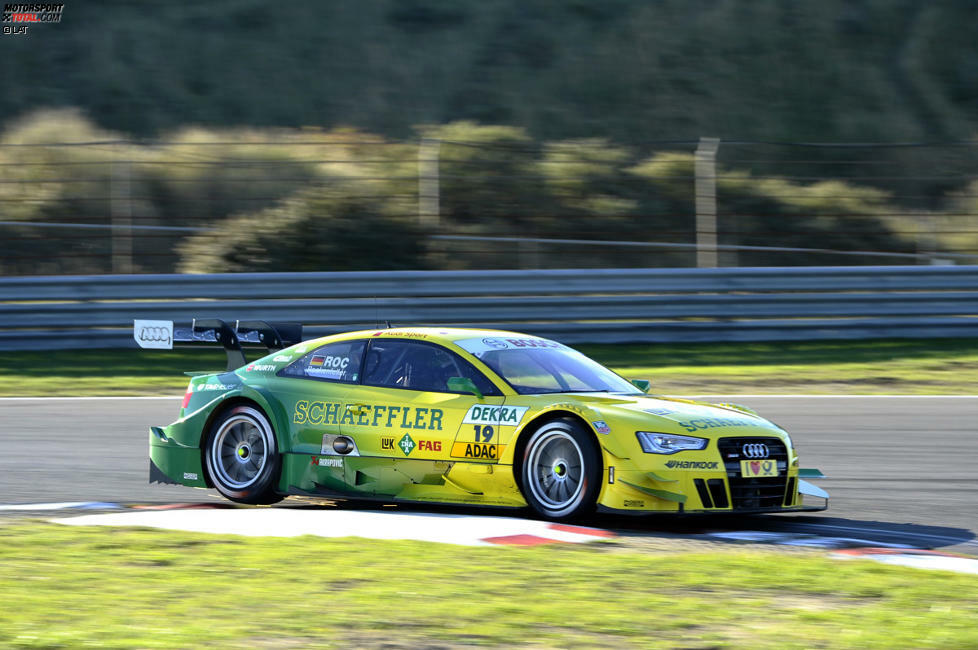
[464,416]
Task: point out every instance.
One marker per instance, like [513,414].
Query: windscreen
[533,366]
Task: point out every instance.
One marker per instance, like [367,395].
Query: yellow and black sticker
[476,450]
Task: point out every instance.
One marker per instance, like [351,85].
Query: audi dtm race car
[459,416]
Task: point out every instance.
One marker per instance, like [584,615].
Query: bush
[324,229]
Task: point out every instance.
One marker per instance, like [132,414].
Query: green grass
[122,588]
[932,366]
[898,366]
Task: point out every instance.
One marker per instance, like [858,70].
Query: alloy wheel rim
[239,451]
[556,471]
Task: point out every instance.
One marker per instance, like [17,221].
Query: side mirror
[642,384]
[463,385]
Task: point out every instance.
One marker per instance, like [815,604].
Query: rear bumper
[172,463]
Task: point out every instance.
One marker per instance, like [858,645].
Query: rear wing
[163,335]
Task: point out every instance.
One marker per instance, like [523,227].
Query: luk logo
[406,444]
[387,444]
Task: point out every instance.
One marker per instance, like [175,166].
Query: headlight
[668,443]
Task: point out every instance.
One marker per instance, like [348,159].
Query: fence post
[706,202]
[120,207]
[428,189]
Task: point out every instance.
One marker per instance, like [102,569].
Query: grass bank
[122,588]
[932,366]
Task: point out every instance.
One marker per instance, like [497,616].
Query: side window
[397,363]
[338,362]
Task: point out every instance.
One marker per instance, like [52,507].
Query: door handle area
[357,408]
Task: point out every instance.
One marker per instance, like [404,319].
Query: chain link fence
[485,198]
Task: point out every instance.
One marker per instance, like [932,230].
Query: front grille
[754,493]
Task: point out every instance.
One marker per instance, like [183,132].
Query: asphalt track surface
[901,469]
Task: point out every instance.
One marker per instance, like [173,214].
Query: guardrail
[575,306]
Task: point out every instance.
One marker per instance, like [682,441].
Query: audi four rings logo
[161,334]
[756,450]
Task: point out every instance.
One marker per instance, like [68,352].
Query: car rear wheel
[242,457]
[561,470]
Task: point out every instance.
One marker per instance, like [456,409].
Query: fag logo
[406,444]
[429,445]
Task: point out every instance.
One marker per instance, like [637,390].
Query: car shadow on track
[795,530]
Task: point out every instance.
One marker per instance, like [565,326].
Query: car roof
[440,335]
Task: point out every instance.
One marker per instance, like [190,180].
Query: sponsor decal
[429,445]
[533,343]
[659,411]
[576,408]
[406,444]
[509,416]
[752,468]
[376,415]
[693,464]
[409,334]
[634,503]
[336,363]
[712,423]
[481,346]
[601,426]
[261,367]
[328,373]
[327,462]
[153,334]
[387,443]
[475,450]
[222,387]
[280,358]
[190,476]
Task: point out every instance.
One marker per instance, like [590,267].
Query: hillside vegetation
[627,70]
[289,139]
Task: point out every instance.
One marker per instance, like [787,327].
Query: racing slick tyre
[241,456]
[561,470]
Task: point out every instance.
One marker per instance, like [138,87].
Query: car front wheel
[561,470]
[242,457]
